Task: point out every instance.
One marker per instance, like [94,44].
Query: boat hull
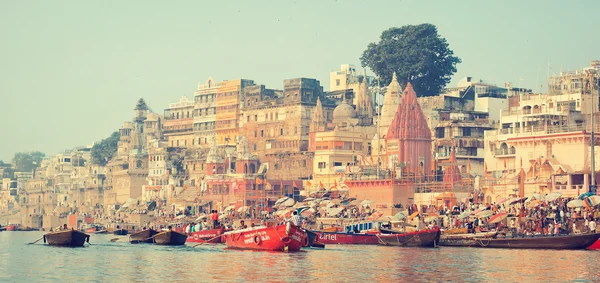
[170,238]
[213,236]
[273,238]
[313,240]
[333,238]
[569,242]
[423,238]
[11,228]
[120,232]
[144,236]
[68,238]
[464,240]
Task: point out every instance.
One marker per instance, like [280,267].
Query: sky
[72,71]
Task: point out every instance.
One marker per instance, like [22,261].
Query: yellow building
[228,100]
[178,125]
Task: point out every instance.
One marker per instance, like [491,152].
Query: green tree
[104,150]
[27,161]
[417,54]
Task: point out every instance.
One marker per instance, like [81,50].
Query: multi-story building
[547,137]
[179,122]
[229,101]
[347,78]
[205,117]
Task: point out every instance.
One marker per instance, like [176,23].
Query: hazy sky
[72,71]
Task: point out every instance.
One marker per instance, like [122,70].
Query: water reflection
[105,261]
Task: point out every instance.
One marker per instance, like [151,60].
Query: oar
[116,239]
[35,241]
[206,241]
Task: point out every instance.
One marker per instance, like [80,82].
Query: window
[281,132]
[337,163]
[337,82]
[322,165]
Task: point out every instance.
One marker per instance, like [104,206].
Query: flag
[258,181]
[320,184]
[308,184]
[521,162]
[268,186]
[294,184]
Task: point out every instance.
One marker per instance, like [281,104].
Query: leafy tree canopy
[27,161]
[417,54]
[104,150]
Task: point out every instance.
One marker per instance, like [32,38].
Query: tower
[390,104]
[364,103]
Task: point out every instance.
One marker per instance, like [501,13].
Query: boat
[274,238]
[312,240]
[144,236]
[95,229]
[202,236]
[421,238]
[561,242]
[67,238]
[343,238]
[11,227]
[466,239]
[2,229]
[170,238]
[120,232]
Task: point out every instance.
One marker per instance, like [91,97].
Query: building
[543,142]
[346,78]
[179,123]
[205,111]
[229,101]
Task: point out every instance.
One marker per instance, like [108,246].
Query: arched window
[245,168]
[252,168]
[138,164]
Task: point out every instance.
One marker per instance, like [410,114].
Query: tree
[27,161]
[105,149]
[417,54]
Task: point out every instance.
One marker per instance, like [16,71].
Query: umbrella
[484,213]
[536,196]
[300,204]
[336,201]
[366,202]
[243,208]
[231,207]
[201,216]
[476,211]
[464,215]
[585,195]
[334,211]
[575,203]
[180,216]
[308,212]
[289,202]
[355,202]
[534,203]
[222,216]
[281,200]
[412,216]
[593,200]
[501,200]
[309,199]
[498,217]
[553,196]
[399,216]
[324,203]
[515,200]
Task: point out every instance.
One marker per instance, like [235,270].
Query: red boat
[11,227]
[422,238]
[274,238]
[201,236]
[342,238]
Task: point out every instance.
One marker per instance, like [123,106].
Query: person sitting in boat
[198,227]
[295,219]
[243,225]
[65,227]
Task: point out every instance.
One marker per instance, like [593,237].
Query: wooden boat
[275,238]
[461,240]
[422,238]
[144,236]
[202,236]
[11,227]
[170,238]
[67,238]
[342,238]
[95,230]
[120,232]
[566,242]
[312,240]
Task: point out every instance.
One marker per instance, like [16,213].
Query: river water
[105,261]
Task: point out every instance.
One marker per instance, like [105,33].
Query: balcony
[504,152]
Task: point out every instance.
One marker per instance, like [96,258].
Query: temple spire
[318,118]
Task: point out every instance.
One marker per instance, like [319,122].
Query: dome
[343,111]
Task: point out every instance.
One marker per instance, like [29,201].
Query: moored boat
[312,240]
[67,238]
[212,236]
[274,238]
[464,240]
[563,242]
[170,238]
[144,236]
[342,238]
[422,238]
[11,227]
[120,232]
